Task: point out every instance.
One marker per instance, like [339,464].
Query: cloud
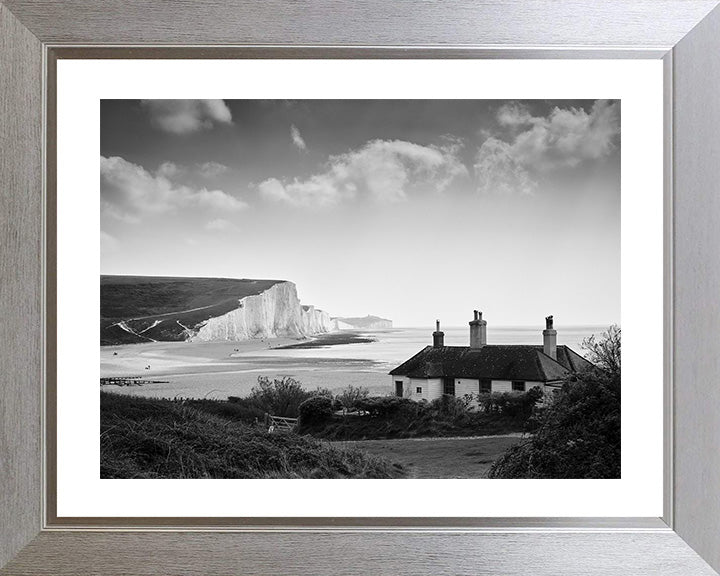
[513,114]
[498,171]
[382,169]
[218,224]
[186,116]
[297,138]
[128,192]
[169,169]
[211,169]
[565,138]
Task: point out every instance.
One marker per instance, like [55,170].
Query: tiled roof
[495,362]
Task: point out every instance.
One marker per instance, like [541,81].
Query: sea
[219,370]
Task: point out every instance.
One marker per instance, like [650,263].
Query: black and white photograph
[360,289]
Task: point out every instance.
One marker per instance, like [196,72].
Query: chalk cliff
[273,313]
[137,309]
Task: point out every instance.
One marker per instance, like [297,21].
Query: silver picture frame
[685,34]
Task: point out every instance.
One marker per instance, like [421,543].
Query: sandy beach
[222,369]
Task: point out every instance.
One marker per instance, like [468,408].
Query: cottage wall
[432,388]
[466,386]
[506,385]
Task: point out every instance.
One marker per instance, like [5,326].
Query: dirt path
[441,457]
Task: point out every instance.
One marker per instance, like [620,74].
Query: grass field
[440,457]
[144,438]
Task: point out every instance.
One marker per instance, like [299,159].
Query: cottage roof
[494,362]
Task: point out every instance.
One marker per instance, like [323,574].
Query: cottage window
[449,386]
[418,390]
[518,386]
[485,386]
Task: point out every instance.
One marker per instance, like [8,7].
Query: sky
[410,210]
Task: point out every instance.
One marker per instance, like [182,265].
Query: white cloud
[169,169]
[211,169]
[513,114]
[185,116]
[499,172]
[218,224]
[128,192]
[566,138]
[382,169]
[297,138]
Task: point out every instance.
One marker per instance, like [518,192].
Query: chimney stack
[478,331]
[438,336]
[550,338]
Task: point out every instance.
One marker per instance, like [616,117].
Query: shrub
[351,395]
[511,404]
[315,410]
[322,391]
[521,405]
[449,406]
[577,435]
[387,406]
[235,409]
[279,397]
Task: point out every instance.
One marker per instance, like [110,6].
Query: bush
[279,397]
[351,395]
[235,409]
[577,435]
[450,406]
[315,410]
[511,404]
[387,406]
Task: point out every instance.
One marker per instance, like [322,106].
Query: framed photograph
[361,295]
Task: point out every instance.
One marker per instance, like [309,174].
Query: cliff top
[138,296]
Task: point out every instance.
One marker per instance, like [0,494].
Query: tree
[578,434]
[604,352]
[279,397]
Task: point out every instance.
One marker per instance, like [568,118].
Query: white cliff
[276,312]
[316,321]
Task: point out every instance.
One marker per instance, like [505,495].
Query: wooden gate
[280,423]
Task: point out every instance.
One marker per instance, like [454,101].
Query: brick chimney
[478,331]
[438,336]
[550,338]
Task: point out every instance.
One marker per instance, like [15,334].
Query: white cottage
[481,368]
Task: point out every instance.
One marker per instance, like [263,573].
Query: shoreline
[337,338]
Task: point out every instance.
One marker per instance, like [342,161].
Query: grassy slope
[431,425]
[144,438]
[440,457]
[168,300]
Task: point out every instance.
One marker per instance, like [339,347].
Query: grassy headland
[148,438]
